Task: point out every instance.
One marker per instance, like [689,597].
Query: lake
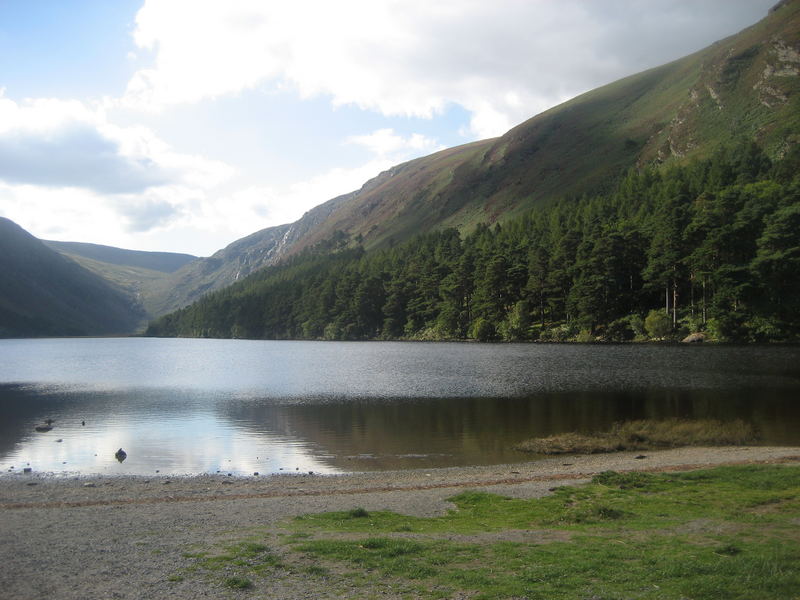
[187,406]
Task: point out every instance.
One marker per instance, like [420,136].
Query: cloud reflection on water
[192,406]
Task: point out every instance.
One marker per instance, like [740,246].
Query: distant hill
[745,87]
[144,276]
[232,263]
[43,293]
[165,262]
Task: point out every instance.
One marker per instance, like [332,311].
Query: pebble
[32,483]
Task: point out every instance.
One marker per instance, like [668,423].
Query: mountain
[164,262]
[141,275]
[662,204]
[234,262]
[712,246]
[43,293]
[744,87]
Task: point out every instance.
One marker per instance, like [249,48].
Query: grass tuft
[238,583]
[646,435]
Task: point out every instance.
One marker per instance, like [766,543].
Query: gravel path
[124,537]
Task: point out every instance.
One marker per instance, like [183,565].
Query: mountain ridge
[165,262]
[744,86]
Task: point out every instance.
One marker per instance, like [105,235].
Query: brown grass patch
[646,435]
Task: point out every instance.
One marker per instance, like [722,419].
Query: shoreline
[137,538]
[43,490]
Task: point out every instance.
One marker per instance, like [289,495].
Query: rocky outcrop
[694,338]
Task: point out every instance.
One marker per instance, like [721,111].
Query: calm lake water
[198,406]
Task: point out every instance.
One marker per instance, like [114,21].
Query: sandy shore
[124,537]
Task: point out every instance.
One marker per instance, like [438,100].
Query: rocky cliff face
[747,87]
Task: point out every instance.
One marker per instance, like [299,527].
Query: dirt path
[126,537]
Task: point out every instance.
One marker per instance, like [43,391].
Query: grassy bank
[646,435]
[728,532]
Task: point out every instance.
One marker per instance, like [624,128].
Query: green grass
[234,565]
[238,583]
[646,435]
[723,533]
[729,532]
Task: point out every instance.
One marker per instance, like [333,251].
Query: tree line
[710,246]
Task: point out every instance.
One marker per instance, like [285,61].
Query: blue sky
[182,125]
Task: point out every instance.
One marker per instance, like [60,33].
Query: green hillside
[743,87]
[710,246]
[43,293]
[144,276]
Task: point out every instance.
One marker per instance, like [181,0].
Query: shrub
[658,324]
[620,330]
[482,330]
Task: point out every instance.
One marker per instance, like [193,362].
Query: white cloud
[66,170]
[256,207]
[386,143]
[65,143]
[503,61]
[74,185]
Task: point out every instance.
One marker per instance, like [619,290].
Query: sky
[183,125]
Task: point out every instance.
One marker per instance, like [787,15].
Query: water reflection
[193,406]
[187,432]
[161,431]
